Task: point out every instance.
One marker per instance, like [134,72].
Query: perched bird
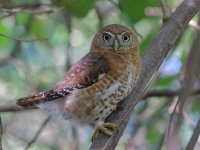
[93,86]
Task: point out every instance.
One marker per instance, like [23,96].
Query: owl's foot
[104,128]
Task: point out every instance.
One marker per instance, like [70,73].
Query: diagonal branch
[194,137]
[151,59]
[38,133]
[166,13]
[1,132]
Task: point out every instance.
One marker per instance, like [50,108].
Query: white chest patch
[54,107]
[101,76]
[112,89]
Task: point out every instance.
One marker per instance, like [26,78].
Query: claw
[104,128]
[97,130]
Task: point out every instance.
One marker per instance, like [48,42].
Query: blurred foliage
[77,8]
[30,67]
[140,5]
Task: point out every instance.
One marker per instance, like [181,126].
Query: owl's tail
[31,101]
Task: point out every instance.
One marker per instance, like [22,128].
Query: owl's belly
[108,104]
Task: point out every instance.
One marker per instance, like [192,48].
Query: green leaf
[135,9]
[22,18]
[77,8]
[5,31]
[147,40]
[165,82]
[38,28]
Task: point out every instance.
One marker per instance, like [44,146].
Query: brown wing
[84,73]
[31,101]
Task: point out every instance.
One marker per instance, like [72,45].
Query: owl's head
[116,38]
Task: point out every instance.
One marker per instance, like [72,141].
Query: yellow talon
[104,128]
[94,135]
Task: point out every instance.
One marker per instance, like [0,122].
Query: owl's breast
[126,79]
[94,103]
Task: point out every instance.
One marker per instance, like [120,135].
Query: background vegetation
[41,39]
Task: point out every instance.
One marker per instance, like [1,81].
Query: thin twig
[174,107]
[24,9]
[165,12]
[25,6]
[99,14]
[37,134]
[9,108]
[23,40]
[166,93]
[149,116]
[195,25]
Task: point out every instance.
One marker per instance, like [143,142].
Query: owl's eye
[106,37]
[126,38]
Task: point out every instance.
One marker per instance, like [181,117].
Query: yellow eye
[126,38]
[106,37]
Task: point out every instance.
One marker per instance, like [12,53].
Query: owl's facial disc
[110,41]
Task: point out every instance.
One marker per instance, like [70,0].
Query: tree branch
[166,93]
[23,9]
[1,132]
[166,13]
[151,61]
[194,137]
[155,93]
[9,108]
[38,133]
[23,40]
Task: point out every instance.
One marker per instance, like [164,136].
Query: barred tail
[31,101]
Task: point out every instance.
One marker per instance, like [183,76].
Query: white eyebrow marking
[124,33]
[108,33]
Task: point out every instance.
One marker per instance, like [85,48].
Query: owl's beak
[116,45]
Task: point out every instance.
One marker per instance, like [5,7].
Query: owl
[93,86]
